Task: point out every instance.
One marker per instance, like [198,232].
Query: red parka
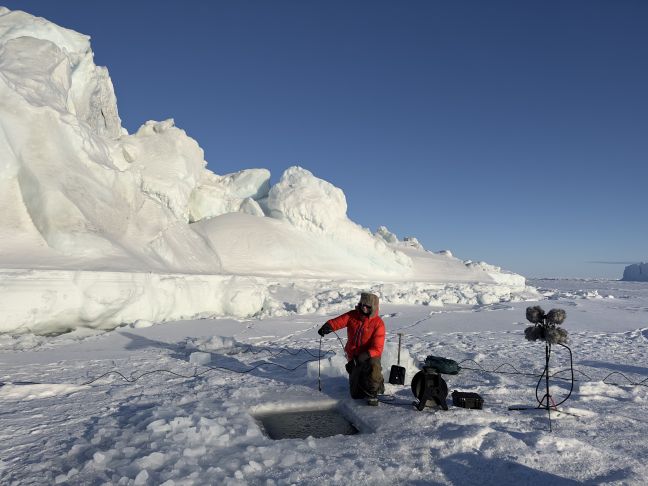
[364,333]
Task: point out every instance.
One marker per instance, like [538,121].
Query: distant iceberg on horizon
[637,272]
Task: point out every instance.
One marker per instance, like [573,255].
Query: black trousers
[365,378]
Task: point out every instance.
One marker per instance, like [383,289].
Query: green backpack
[441,365]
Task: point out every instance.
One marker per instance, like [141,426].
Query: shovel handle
[400,334]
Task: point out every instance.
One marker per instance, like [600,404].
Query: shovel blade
[397,375]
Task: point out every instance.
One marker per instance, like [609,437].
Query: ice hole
[293,424]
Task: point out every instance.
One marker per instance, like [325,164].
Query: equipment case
[467,400]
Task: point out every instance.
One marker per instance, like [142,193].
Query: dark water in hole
[299,425]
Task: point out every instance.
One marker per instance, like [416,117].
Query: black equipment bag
[441,365]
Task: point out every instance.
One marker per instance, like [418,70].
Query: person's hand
[325,329]
[350,365]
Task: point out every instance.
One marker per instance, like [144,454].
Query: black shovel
[397,372]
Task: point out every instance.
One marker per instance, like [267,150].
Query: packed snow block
[329,366]
[30,391]
[390,357]
[200,359]
[213,343]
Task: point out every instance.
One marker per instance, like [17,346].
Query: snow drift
[81,195]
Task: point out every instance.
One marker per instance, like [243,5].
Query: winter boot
[372,401]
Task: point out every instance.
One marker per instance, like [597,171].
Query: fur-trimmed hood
[370,300]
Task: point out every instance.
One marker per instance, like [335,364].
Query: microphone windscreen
[535,314]
[556,316]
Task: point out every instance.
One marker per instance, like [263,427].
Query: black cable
[554,375]
[341,344]
[587,377]
[196,375]
[549,406]
[630,382]
[571,366]
[538,387]
[133,380]
[249,349]
[319,365]
[479,368]
[265,363]
[213,368]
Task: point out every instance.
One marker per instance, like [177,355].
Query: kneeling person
[364,347]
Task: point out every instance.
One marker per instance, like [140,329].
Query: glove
[325,329]
[350,365]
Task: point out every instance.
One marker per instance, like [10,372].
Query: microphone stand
[547,402]
[547,396]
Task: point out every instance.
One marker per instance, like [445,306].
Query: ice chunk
[216,195]
[387,235]
[316,206]
[200,358]
[213,343]
[142,478]
[154,461]
[306,201]
[57,69]
[37,391]
[170,164]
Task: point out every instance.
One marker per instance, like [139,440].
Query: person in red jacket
[364,347]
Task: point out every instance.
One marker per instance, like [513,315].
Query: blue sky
[513,132]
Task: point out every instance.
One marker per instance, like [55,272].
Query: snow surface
[101,228]
[637,272]
[165,429]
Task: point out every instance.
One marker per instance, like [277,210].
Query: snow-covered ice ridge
[637,272]
[122,228]
[56,301]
